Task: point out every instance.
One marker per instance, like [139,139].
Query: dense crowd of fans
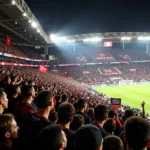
[89,56]
[50,111]
[20,51]
[136,72]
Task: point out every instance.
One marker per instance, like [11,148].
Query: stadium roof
[18,21]
[96,37]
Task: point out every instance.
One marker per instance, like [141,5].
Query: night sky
[67,17]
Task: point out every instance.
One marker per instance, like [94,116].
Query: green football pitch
[132,95]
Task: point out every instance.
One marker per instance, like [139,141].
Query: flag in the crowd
[43,69]
[8,41]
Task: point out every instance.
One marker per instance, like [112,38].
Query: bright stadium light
[63,38]
[38,30]
[143,38]
[52,36]
[70,41]
[86,40]
[147,38]
[34,24]
[13,2]
[29,20]
[95,39]
[126,38]
[24,14]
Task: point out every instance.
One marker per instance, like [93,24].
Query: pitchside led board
[115,102]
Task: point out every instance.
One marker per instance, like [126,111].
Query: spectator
[128,113]
[82,107]
[112,143]
[66,113]
[36,88]
[88,137]
[101,115]
[8,131]
[53,116]
[31,83]
[34,123]
[137,133]
[112,114]
[110,126]
[64,98]
[25,106]
[13,80]
[3,101]
[52,138]
[77,122]
[13,98]
[90,113]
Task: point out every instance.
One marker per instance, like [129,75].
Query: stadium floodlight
[140,38]
[86,40]
[38,30]
[70,41]
[95,39]
[24,14]
[29,20]
[126,38]
[63,38]
[34,24]
[52,37]
[143,38]
[13,2]
[147,38]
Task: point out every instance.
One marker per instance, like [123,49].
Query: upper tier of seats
[20,51]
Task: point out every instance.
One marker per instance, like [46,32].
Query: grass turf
[132,95]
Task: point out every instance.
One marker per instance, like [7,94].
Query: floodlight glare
[142,38]
[70,41]
[13,2]
[86,40]
[126,38]
[63,38]
[38,30]
[52,37]
[24,14]
[95,39]
[34,24]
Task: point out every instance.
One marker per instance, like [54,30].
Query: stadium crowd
[20,51]
[98,73]
[50,111]
[92,55]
